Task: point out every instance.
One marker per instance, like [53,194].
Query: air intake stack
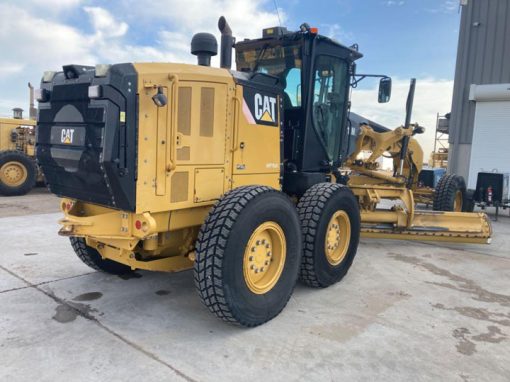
[204,46]
[17,113]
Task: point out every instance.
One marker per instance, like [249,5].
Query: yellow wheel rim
[264,257]
[13,174]
[457,203]
[338,237]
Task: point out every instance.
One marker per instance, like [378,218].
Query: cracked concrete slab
[35,347]
[9,282]
[405,311]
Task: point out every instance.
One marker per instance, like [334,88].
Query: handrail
[174,81]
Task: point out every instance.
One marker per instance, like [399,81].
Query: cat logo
[265,108]
[66,136]
[260,108]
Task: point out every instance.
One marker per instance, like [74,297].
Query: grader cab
[234,173]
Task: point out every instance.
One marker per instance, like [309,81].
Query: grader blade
[459,227]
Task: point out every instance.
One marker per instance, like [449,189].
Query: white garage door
[491,139]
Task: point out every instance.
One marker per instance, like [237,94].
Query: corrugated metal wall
[483,57]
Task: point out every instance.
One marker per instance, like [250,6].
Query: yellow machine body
[24,130]
[191,151]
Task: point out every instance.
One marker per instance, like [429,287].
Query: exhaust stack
[227,43]
[32,111]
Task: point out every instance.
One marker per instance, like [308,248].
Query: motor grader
[234,173]
[18,170]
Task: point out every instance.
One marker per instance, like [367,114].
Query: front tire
[18,173]
[330,221]
[93,259]
[248,253]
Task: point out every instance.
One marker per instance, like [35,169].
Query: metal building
[479,132]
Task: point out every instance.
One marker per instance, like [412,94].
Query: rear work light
[102,70]
[48,76]
[95,91]
[42,95]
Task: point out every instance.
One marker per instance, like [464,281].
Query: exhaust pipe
[32,111]
[227,43]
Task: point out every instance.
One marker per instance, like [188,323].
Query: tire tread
[445,191]
[210,249]
[310,209]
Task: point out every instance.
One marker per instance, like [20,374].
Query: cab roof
[276,34]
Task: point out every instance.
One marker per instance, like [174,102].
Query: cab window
[293,87]
[329,98]
[279,61]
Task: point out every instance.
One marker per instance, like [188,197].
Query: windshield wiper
[259,57]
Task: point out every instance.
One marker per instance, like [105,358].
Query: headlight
[102,70]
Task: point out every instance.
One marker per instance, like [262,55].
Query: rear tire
[18,173]
[93,259]
[330,221]
[233,276]
[450,194]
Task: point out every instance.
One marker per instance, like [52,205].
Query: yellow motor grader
[18,170]
[234,173]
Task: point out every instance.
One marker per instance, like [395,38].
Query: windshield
[283,62]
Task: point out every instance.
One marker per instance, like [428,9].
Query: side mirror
[384,90]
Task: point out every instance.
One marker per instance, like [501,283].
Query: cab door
[329,102]
[326,84]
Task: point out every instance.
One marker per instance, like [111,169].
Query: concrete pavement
[405,311]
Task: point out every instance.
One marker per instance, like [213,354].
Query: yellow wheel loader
[234,173]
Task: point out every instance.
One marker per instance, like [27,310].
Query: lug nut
[266,262]
[253,249]
[268,254]
[251,258]
[262,269]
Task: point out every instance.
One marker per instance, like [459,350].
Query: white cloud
[31,44]
[38,36]
[105,24]
[336,32]
[7,68]
[391,3]
[446,6]
[246,17]
[432,96]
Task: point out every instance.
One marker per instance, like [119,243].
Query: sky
[399,38]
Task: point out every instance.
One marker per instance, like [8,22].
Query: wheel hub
[264,257]
[13,174]
[338,236]
[457,203]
